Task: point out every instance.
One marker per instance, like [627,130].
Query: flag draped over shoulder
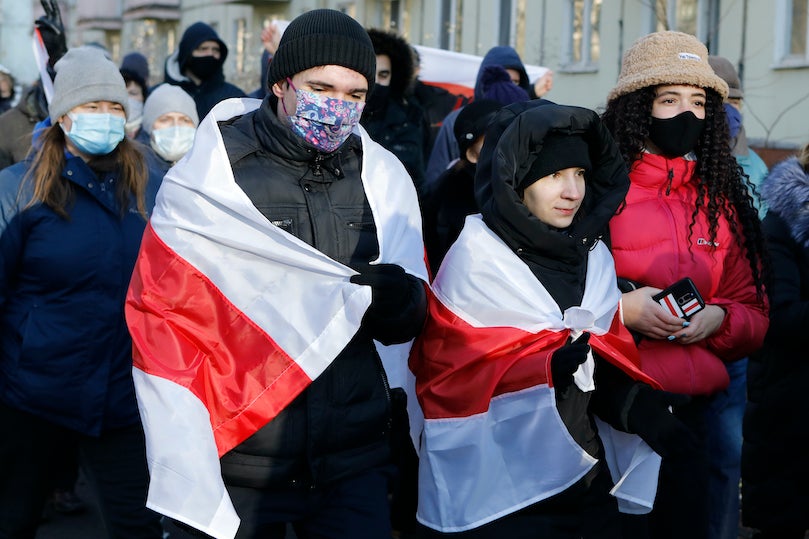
[493,440]
[231,317]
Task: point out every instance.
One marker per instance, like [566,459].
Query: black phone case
[682,299]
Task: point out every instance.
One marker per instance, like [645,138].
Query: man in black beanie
[196,67]
[322,463]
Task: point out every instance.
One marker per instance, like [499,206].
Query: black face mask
[676,136]
[203,67]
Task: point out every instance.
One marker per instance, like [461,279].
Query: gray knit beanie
[666,58]
[323,37]
[167,98]
[84,75]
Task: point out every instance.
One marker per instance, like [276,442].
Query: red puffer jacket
[651,246]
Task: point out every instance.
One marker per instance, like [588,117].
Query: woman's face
[134,91]
[556,198]
[673,99]
[93,107]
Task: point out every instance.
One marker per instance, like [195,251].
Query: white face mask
[171,143]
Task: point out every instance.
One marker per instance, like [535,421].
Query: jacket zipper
[671,177]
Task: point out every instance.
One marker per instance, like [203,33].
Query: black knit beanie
[558,152]
[323,37]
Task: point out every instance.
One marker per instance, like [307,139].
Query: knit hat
[167,98]
[135,67]
[666,58]
[84,75]
[194,36]
[472,121]
[727,73]
[323,37]
[495,83]
[558,152]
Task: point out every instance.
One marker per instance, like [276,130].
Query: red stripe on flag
[185,330]
[460,368]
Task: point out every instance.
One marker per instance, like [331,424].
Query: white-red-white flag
[231,317]
[493,439]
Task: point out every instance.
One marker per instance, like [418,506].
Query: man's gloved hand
[649,417]
[566,360]
[52,31]
[390,287]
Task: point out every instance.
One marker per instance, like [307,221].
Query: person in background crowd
[436,102]
[453,198]
[135,71]
[288,194]
[445,150]
[753,165]
[391,116]
[197,67]
[724,419]
[775,479]
[687,214]
[72,217]
[17,124]
[169,124]
[270,35]
[10,91]
[524,346]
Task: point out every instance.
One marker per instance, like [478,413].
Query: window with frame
[699,18]
[792,45]
[584,43]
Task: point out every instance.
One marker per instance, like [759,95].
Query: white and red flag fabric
[231,317]
[493,439]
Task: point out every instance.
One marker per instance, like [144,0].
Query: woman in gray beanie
[71,220]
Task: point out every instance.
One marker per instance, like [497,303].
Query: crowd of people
[356,305]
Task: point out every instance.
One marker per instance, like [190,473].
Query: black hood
[515,134]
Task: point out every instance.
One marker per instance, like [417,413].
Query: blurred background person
[725,413]
[10,90]
[71,221]
[445,149]
[197,67]
[135,71]
[775,477]
[169,124]
[391,116]
[453,195]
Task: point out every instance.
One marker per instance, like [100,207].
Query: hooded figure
[445,149]
[504,369]
[391,116]
[200,75]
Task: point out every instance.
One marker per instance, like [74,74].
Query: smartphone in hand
[682,299]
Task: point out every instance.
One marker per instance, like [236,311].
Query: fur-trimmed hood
[786,191]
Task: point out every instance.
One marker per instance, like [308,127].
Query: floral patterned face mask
[324,122]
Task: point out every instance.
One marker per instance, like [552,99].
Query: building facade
[580,40]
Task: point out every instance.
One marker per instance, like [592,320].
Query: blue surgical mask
[96,133]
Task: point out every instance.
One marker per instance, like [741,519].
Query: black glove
[390,287]
[649,417]
[566,360]
[52,31]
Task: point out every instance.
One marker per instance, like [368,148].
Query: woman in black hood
[524,347]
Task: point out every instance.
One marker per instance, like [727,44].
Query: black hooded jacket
[558,258]
[212,90]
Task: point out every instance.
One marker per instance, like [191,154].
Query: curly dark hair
[718,177]
[402,63]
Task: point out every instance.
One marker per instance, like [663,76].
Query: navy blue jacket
[65,352]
